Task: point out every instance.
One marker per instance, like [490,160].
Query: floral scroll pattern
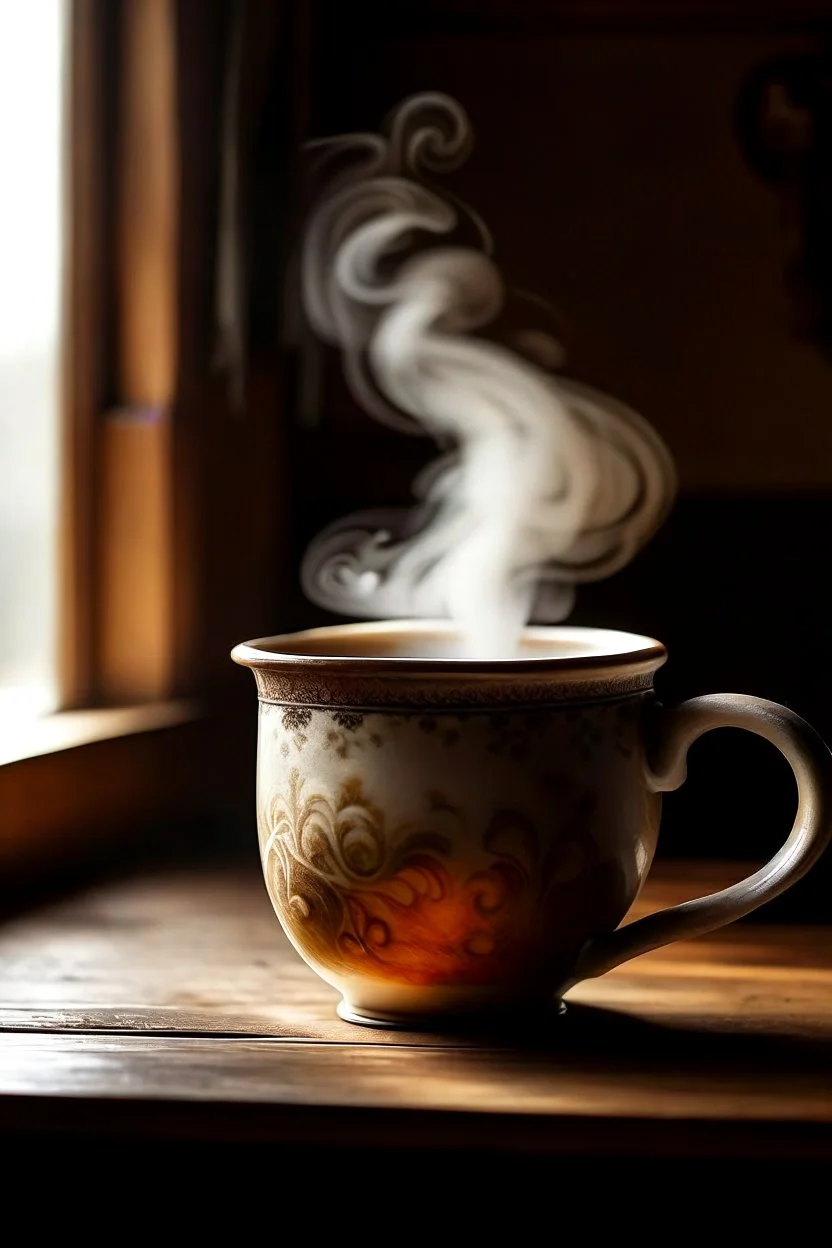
[356,894]
[519,735]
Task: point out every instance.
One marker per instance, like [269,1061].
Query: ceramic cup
[444,838]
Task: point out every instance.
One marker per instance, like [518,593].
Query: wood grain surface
[176,996]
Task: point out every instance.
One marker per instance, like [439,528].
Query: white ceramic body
[435,862]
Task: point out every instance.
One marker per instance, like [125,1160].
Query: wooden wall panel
[608,166]
[605,14]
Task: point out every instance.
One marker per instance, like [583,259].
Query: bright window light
[32,42]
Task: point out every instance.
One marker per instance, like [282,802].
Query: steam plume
[541,483]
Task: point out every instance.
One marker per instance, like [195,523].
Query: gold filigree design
[358,896]
[334,871]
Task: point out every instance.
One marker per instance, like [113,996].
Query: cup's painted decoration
[455,848]
[358,894]
[443,837]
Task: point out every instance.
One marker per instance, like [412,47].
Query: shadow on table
[590,1035]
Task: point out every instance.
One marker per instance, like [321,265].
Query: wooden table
[168,1006]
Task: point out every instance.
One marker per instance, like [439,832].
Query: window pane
[31,107]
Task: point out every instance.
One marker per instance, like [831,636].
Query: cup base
[516,1017]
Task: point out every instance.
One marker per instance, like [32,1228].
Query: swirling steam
[541,483]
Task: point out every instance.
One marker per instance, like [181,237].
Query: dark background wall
[622,179]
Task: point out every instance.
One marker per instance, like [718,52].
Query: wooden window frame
[173,515]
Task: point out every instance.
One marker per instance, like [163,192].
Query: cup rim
[595,650]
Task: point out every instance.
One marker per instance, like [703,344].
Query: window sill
[67,730]
[80,782]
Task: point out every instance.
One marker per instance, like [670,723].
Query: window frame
[174,511]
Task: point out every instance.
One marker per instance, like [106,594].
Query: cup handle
[810,760]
